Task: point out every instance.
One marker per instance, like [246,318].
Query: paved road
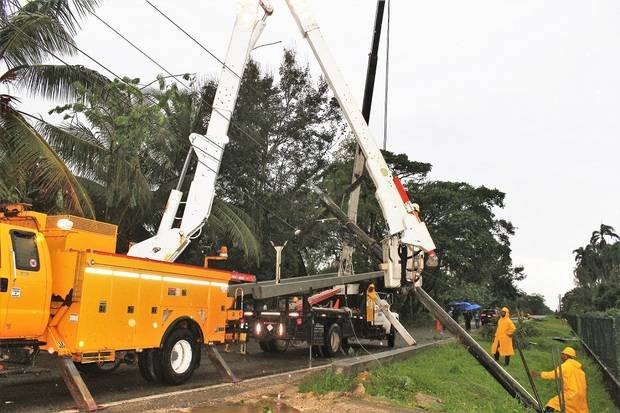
[46,392]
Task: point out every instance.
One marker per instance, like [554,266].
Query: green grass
[452,375]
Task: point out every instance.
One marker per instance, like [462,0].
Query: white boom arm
[401,218]
[170,242]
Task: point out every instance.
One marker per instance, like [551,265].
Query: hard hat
[569,351]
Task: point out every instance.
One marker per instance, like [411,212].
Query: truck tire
[148,364]
[265,345]
[280,346]
[178,357]
[333,340]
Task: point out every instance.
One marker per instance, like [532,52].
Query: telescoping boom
[171,241]
[400,214]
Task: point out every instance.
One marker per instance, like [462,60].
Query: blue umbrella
[459,305]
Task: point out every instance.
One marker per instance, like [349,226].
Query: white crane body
[404,224]
[171,241]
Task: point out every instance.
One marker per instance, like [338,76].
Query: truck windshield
[25,248]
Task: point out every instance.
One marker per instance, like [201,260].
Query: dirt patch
[427,401]
[289,395]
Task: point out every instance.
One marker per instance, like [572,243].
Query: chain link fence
[601,333]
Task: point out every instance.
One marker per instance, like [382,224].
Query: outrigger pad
[220,364]
[81,395]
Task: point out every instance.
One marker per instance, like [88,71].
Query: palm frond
[55,82]
[50,174]
[231,222]
[77,145]
[28,39]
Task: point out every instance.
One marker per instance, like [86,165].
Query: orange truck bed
[67,290]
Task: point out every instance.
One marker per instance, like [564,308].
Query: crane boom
[401,218]
[170,241]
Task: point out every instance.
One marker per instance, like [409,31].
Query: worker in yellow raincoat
[575,389]
[502,345]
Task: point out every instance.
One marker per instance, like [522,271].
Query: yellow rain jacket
[503,335]
[575,387]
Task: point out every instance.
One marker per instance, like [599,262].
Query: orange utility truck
[64,290]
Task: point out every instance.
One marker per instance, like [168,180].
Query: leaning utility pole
[513,387]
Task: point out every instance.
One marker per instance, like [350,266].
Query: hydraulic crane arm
[171,241]
[400,214]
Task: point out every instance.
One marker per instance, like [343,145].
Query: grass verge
[450,374]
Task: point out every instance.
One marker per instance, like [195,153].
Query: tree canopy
[120,149]
[596,273]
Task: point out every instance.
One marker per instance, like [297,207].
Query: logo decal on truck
[16,292]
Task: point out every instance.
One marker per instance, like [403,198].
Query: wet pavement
[46,392]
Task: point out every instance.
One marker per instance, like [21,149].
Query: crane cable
[387,74]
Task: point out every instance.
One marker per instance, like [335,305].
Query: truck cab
[25,276]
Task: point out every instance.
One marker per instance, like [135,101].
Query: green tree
[596,273]
[283,136]
[109,138]
[29,36]
[473,244]
[598,236]
[531,303]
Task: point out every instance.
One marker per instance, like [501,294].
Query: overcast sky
[519,95]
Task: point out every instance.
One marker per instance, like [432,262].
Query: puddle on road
[258,407]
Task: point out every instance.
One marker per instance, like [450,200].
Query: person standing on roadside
[575,389]
[467,317]
[502,344]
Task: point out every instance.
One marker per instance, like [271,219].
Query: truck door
[23,284]
[4,280]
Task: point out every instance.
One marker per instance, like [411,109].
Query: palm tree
[598,237]
[29,36]
[128,146]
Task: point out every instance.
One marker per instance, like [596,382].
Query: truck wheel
[333,341]
[179,356]
[265,345]
[280,346]
[148,364]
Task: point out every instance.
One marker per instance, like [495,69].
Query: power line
[215,110]
[51,53]
[138,49]
[245,133]
[387,74]
[193,39]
